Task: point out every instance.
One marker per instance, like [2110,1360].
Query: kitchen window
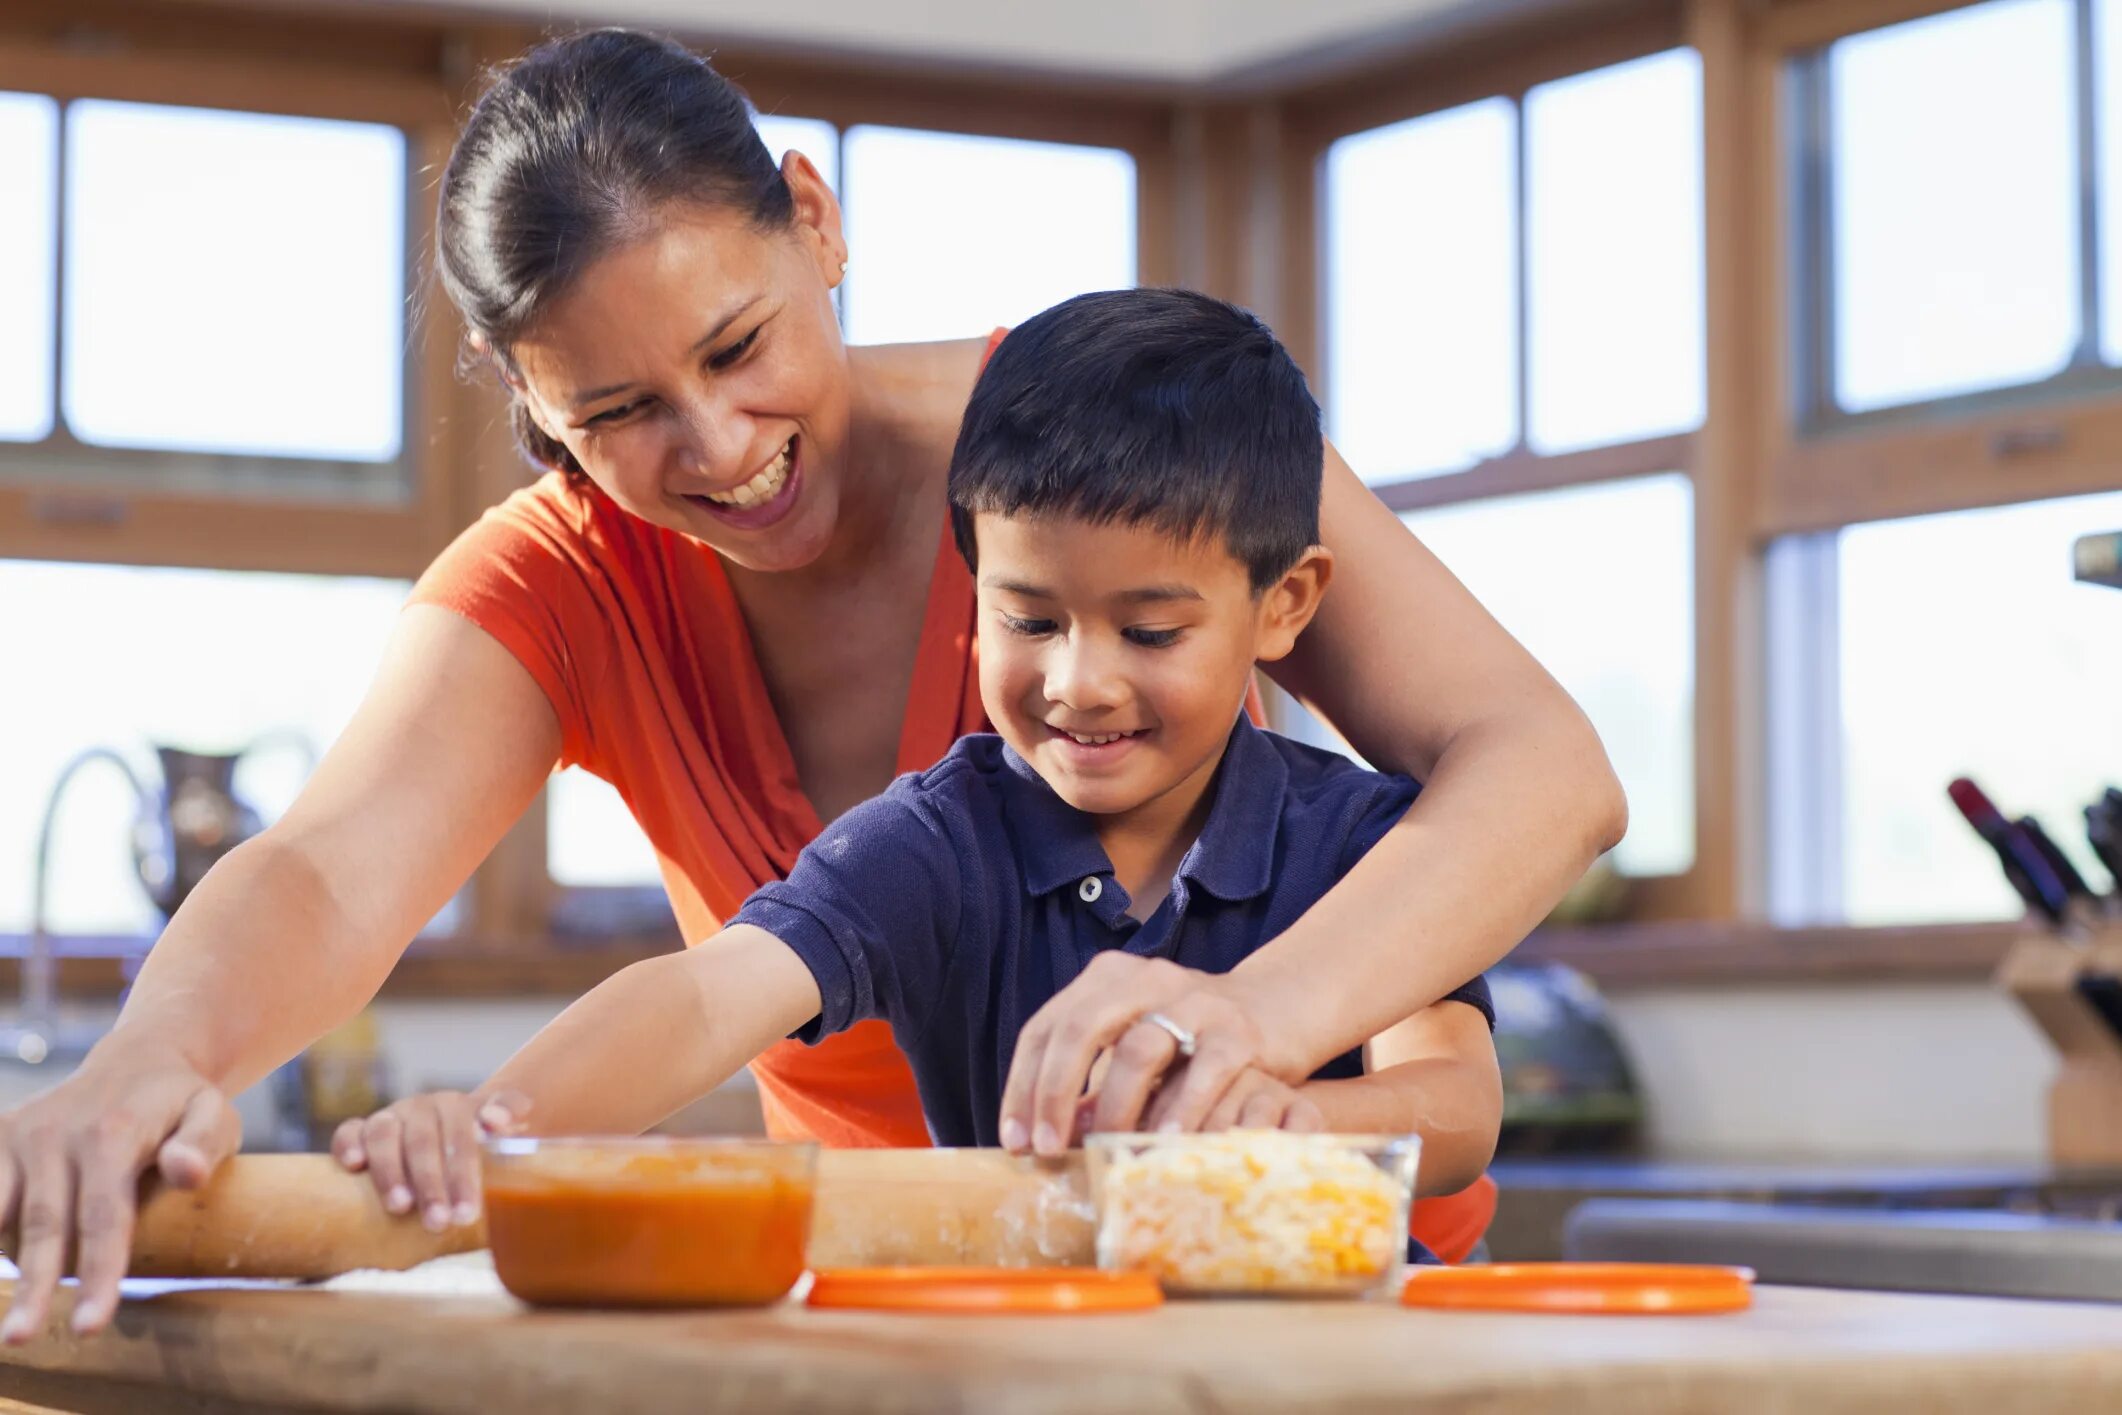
[1613,183]
[1422,293]
[1610,612]
[1518,273]
[1952,645]
[306,471]
[952,234]
[177,240]
[1514,336]
[1956,214]
[210,661]
[29,226]
[2107,96]
[1953,185]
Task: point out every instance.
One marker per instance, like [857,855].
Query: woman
[735,597]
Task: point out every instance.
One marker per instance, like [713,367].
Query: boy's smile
[1114,658]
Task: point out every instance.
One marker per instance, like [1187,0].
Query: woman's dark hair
[573,150]
[1159,408]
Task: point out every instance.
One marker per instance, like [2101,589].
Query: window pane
[1422,301]
[29,223]
[950,235]
[122,657]
[235,282]
[2107,15]
[1613,177]
[1954,200]
[1598,583]
[590,835]
[1968,650]
[813,137]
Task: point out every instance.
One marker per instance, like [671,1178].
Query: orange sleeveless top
[636,637]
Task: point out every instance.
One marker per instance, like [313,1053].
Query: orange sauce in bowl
[580,1225]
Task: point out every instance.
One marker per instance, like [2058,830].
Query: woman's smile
[764,499]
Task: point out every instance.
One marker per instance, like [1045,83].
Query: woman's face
[697,375]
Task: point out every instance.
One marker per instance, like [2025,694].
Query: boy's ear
[1287,606]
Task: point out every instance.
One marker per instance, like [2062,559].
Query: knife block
[2074,994]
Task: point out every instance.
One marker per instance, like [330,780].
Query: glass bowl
[649,1222]
[1257,1212]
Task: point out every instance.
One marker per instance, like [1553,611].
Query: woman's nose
[718,437]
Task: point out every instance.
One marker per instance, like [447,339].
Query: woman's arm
[300,927]
[1518,799]
[285,938]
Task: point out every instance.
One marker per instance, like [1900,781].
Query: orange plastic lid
[985,1290]
[1652,1289]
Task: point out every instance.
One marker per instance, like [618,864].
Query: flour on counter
[461,1275]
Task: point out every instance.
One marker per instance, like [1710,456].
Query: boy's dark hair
[1164,408]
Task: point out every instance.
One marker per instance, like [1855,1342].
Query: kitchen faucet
[36,1035]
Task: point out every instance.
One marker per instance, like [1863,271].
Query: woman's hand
[70,1166]
[422,1153]
[1106,1012]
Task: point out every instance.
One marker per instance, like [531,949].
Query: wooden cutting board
[302,1216]
[1821,1353]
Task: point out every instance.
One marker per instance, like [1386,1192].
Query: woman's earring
[843,267]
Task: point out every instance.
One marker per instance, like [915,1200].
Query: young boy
[1136,487]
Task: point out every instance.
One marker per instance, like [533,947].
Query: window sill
[1709,953]
[1616,956]
[99,968]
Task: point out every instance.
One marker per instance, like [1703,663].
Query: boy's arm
[658,1034]
[1434,1075]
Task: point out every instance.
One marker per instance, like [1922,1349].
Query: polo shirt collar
[1233,859]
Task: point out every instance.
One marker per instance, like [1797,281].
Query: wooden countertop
[196,1347]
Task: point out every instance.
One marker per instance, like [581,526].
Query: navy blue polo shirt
[956,903]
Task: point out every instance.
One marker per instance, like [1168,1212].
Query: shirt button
[1090,889]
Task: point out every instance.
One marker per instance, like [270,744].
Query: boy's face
[1114,659]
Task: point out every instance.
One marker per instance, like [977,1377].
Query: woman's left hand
[1107,1011]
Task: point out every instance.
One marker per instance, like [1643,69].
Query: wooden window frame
[523,932]
[1757,473]
[306,529]
[1510,64]
[457,455]
[1228,201]
[1997,447]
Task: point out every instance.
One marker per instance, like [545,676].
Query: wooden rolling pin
[281,1216]
[983,1208]
[302,1216]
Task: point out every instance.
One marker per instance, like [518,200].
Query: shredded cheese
[1253,1211]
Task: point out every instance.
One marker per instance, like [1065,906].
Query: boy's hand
[1254,1101]
[422,1153]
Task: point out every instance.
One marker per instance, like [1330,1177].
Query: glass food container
[648,1222]
[1257,1212]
